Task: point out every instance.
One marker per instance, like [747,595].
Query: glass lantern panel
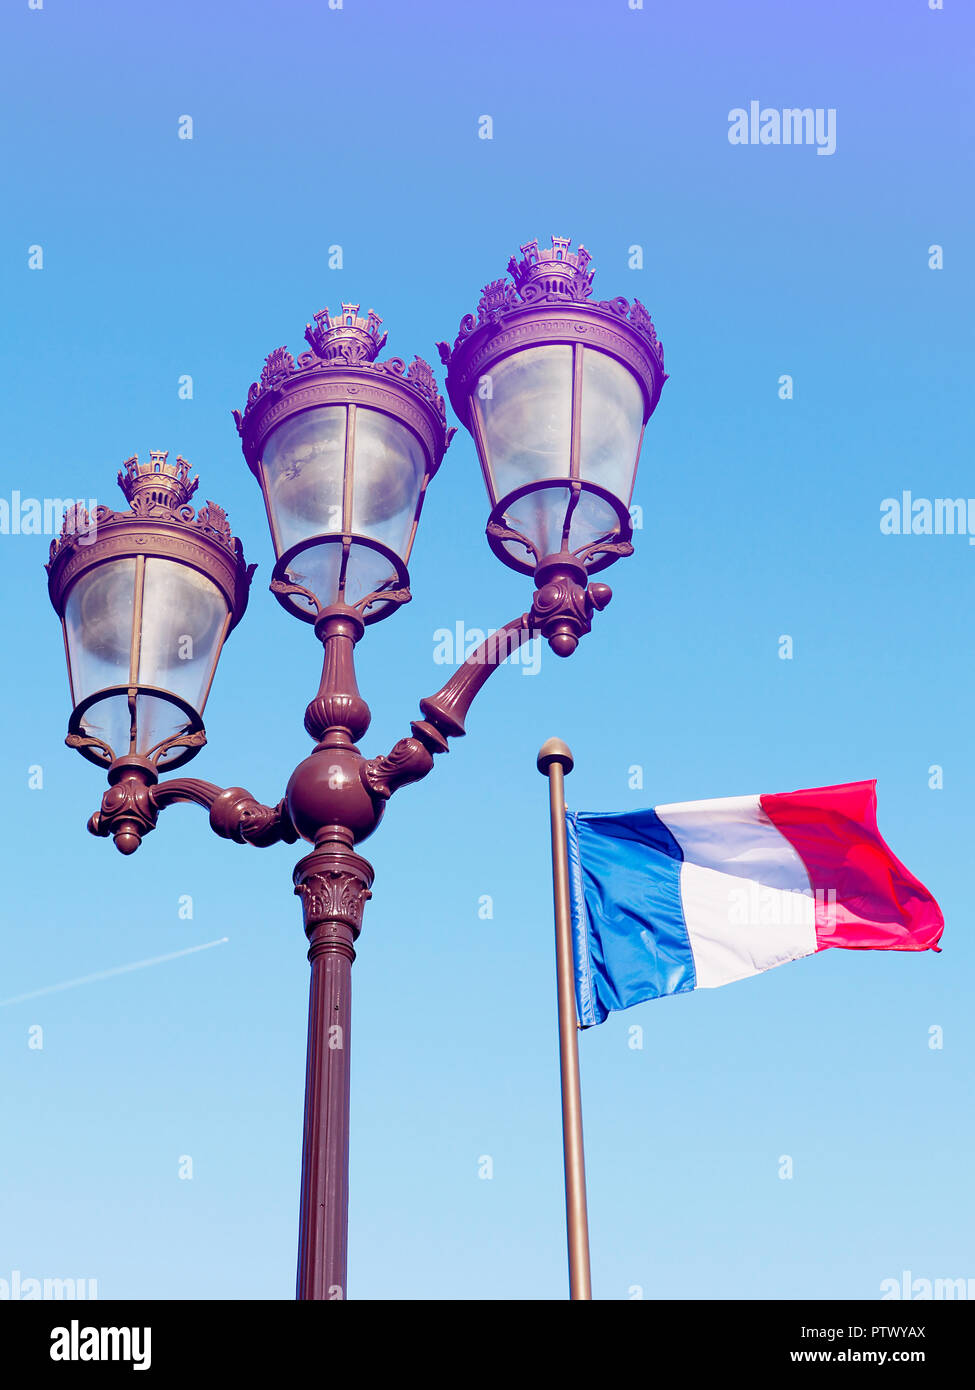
[317,569]
[304,476]
[526,417]
[592,519]
[386,479]
[540,516]
[98,623]
[157,720]
[612,418]
[110,721]
[183,617]
[367,570]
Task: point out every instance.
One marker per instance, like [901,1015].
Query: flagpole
[554,761]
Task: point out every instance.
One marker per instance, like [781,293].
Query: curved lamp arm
[234,813]
[562,612]
[131,806]
[444,713]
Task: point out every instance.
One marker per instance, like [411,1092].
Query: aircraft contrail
[107,974]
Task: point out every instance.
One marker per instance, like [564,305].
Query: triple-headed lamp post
[556,390]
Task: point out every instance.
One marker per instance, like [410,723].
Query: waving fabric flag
[701,893]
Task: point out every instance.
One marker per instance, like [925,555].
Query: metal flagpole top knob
[553,750]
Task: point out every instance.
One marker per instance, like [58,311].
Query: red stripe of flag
[878,903]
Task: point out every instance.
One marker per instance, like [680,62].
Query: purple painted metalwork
[312,428]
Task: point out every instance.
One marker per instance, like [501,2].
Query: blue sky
[163,257]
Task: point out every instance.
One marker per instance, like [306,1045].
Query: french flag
[701,893]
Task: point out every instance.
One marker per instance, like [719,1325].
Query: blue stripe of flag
[629,935]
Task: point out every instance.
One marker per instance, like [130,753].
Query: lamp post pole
[556,392]
[333,882]
[324,1209]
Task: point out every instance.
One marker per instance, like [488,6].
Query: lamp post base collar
[333,883]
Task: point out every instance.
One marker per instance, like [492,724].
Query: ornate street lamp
[556,390]
[343,448]
[146,598]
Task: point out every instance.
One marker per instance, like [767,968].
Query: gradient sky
[162,257]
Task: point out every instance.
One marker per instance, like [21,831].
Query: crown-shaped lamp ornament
[346,336]
[165,483]
[558,272]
